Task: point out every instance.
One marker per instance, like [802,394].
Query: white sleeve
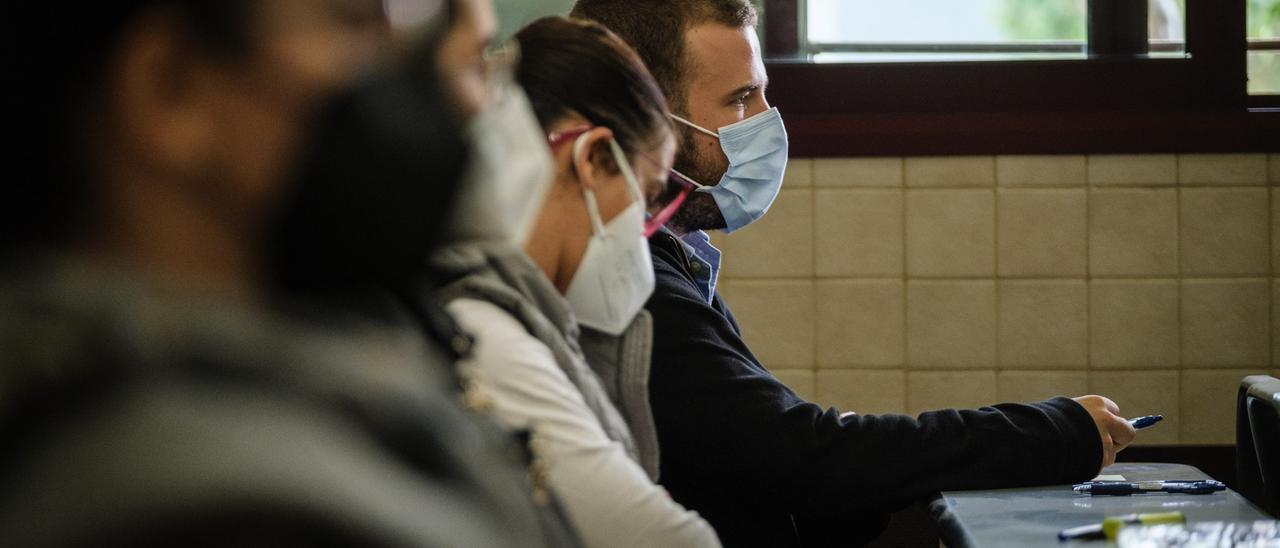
[608,497]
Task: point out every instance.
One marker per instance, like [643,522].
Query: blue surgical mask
[757,152]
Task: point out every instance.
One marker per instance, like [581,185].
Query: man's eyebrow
[744,90]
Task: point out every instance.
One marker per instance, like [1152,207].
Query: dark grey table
[1033,516]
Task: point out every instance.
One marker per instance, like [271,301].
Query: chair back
[1258,440]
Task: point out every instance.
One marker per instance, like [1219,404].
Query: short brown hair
[656,29]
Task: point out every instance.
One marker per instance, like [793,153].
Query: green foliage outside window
[1043,19]
[1264,18]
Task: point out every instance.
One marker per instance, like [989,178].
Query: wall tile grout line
[907,364]
[995,258]
[1088,270]
[1271,260]
[813,269]
[1177,172]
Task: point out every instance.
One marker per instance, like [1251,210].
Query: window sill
[1086,132]
[1098,106]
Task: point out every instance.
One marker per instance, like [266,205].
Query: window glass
[1015,25]
[931,21]
[1264,19]
[1264,46]
[1264,72]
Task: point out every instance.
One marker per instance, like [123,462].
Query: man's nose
[763,105]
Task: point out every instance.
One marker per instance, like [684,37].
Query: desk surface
[1033,516]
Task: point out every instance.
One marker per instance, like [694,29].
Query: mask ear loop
[593,209]
[620,158]
[696,185]
[694,126]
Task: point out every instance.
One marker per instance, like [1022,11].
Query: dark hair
[656,29]
[579,67]
[67,50]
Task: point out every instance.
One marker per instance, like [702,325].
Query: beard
[699,211]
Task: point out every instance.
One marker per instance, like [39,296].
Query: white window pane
[972,21]
[931,21]
[1264,72]
[1166,20]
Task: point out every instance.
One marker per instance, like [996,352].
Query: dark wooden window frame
[1102,104]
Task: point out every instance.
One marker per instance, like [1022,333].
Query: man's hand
[1116,432]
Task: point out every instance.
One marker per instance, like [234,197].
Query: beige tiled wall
[899,285]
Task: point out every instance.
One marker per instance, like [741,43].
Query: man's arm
[726,423]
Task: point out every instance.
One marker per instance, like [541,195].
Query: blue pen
[1189,487]
[1143,422]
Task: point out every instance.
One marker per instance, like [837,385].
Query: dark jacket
[755,459]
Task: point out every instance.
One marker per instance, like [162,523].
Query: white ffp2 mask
[509,174]
[615,277]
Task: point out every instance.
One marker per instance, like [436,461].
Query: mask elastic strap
[620,158]
[694,126]
[593,208]
[696,185]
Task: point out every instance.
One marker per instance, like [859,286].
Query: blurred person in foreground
[548,241]
[765,467]
[148,396]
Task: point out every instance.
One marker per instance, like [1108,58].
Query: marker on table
[1111,526]
[1143,422]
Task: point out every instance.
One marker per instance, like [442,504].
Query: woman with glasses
[571,172]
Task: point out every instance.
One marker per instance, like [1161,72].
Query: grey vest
[611,372]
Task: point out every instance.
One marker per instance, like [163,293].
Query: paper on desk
[1109,477]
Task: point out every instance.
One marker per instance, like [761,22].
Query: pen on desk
[1190,487]
[1111,526]
[1143,422]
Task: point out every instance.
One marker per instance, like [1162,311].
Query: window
[1263,22]
[872,77]
[913,30]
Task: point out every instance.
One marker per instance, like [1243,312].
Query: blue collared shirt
[705,262]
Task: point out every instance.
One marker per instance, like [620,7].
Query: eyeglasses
[674,180]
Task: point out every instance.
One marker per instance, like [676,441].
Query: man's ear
[157,97]
[593,158]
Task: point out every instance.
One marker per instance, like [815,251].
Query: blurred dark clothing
[134,416]
[767,468]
